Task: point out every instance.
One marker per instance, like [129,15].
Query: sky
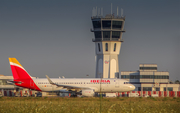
[53,37]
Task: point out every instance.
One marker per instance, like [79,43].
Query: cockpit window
[126,82]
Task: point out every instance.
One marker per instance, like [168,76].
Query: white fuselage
[106,85]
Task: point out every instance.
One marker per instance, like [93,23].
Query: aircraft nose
[132,87]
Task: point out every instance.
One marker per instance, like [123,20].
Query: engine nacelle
[88,92]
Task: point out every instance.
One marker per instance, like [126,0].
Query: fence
[122,94]
[151,93]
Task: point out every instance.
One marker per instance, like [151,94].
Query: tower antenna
[96,10]
[93,12]
[117,11]
[111,8]
[101,11]
[121,12]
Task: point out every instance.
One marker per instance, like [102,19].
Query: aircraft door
[116,83]
[32,84]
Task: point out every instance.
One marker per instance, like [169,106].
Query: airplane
[86,86]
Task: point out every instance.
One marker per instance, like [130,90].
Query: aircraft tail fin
[18,71]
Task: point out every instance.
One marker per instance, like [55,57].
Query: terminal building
[148,78]
[4,85]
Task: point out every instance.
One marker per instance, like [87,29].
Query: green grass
[88,105]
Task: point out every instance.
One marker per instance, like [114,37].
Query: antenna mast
[117,11]
[93,12]
[121,12]
[96,10]
[111,8]
[101,11]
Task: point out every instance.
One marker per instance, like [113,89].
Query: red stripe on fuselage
[23,77]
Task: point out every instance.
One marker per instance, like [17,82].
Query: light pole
[100,95]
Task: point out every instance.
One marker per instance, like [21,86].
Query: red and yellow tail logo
[21,76]
[17,70]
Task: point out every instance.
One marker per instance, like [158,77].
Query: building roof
[6,77]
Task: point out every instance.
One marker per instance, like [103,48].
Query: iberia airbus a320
[87,86]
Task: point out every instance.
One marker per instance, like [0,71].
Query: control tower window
[97,24]
[106,46]
[116,34]
[106,24]
[97,34]
[115,47]
[117,25]
[106,34]
[99,47]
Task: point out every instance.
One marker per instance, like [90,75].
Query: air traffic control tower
[108,32]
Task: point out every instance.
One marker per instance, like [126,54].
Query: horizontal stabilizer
[14,82]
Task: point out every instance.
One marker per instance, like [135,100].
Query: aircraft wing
[66,86]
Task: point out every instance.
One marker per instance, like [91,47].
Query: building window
[146,76]
[125,76]
[99,47]
[115,34]
[148,68]
[122,76]
[154,76]
[139,88]
[161,77]
[117,25]
[134,76]
[115,47]
[170,88]
[97,24]
[97,34]
[158,89]
[164,88]
[106,46]
[106,24]
[106,34]
[147,88]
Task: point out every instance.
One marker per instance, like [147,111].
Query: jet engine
[88,92]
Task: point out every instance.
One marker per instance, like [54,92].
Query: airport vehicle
[133,94]
[111,95]
[154,95]
[86,86]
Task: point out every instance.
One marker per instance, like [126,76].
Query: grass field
[88,105]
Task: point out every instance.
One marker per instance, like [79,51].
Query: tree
[177,82]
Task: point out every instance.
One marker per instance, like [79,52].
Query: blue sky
[54,38]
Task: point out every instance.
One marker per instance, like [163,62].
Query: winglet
[50,81]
